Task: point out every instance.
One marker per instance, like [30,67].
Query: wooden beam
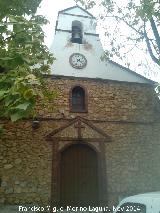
[100,131]
[61,128]
[79,120]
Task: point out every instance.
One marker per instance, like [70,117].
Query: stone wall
[127,112]
[25,165]
[106,100]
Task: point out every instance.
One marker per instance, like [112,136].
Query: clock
[78,61]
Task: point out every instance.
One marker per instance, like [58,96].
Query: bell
[76,35]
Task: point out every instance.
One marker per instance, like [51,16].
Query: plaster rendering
[91,48]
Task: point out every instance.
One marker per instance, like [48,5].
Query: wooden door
[79,176]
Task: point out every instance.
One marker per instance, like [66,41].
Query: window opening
[78,99]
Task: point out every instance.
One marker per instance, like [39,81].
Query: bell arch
[77,32]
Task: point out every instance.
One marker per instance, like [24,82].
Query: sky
[50,8]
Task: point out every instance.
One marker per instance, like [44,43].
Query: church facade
[99,139]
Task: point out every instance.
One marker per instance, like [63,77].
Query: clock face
[78,60]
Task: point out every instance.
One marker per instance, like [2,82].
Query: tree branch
[155,32]
[149,47]
[122,19]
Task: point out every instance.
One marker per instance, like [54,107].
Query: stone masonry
[128,112]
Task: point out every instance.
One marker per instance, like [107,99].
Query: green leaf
[28,94]
[2,93]
[23,106]
[16,116]
[6,58]
[22,49]
[8,101]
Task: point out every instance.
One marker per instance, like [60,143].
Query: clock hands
[78,60]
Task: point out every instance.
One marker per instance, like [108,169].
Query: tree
[24,59]
[141,17]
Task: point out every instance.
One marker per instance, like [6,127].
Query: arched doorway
[79,176]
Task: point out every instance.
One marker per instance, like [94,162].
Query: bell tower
[78,50]
[75,43]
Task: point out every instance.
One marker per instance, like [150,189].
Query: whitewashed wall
[62,48]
